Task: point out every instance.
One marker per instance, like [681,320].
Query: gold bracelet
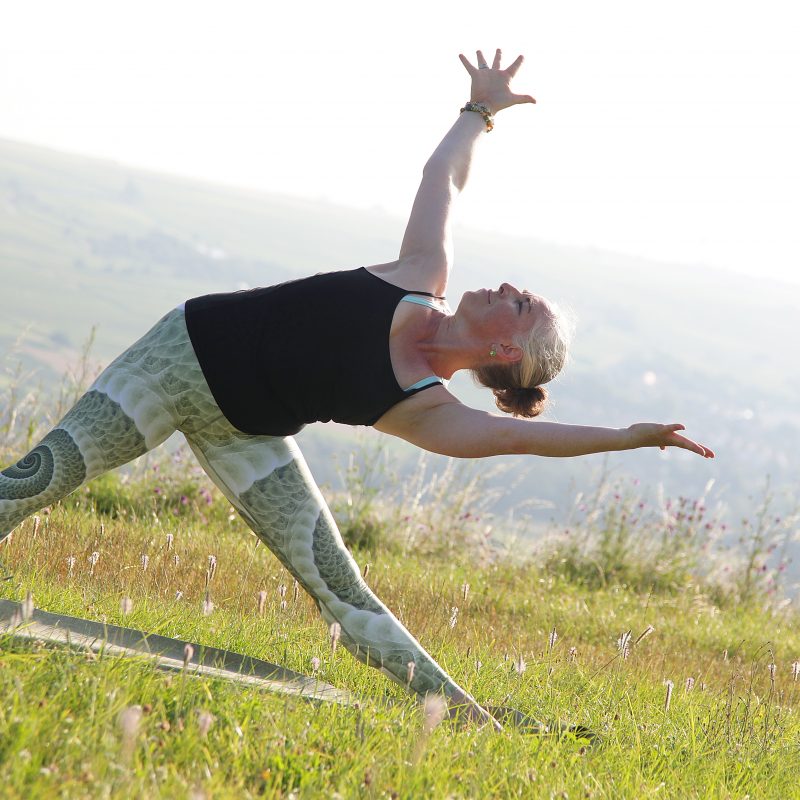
[483,110]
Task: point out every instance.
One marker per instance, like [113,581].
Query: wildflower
[771,668]
[36,523]
[93,559]
[478,665]
[795,670]
[145,562]
[315,665]
[668,699]
[725,655]
[212,567]
[282,591]
[129,720]
[689,685]
[262,602]
[335,631]
[433,710]
[126,606]
[465,591]
[176,559]
[644,634]
[27,607]
[295,591]
[551,640]
[188,655]
[366,570]
[208,606]
[624,644]
[179,595]
[519,665]
[170,540]
[205,720]
[410,672]
[70,566]
[572,655]
[453,617]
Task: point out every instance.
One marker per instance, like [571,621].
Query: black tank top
[310,350]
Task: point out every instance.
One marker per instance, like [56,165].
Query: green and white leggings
[156,387]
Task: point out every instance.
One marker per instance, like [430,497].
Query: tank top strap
[428,301]
[430,294]
[425,383]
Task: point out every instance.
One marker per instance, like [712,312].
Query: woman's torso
[336,346]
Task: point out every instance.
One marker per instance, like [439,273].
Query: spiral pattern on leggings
[31,464]
[33,474]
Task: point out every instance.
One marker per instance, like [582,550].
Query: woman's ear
[509,353]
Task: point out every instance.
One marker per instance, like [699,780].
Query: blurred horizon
[667,136]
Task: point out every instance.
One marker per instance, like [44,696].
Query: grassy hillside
[558,645]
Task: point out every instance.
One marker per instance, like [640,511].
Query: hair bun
[521,402]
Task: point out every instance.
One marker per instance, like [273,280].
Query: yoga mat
[166,653]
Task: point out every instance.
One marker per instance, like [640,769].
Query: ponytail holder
[483,110]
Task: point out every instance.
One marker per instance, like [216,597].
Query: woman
[238,374]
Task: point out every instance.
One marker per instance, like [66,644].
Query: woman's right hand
[492,85]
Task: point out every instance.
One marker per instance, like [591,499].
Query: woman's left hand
[652,434]
[492,86]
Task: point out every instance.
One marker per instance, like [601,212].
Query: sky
[664,130]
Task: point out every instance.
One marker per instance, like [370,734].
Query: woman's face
[501,315]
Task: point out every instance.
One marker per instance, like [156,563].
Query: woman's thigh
[143,396]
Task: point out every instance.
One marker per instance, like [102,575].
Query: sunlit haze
[664,130]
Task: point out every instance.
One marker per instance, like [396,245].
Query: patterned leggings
[156,387]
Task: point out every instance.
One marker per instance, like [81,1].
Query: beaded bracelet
[483,110]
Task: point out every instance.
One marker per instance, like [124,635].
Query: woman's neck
[446,347]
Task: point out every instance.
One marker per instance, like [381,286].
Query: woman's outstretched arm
[453,429]
[426,252]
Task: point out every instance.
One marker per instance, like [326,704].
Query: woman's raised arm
[427,247]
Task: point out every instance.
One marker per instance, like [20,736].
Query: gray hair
[518,386]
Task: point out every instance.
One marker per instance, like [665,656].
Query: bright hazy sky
[670,130]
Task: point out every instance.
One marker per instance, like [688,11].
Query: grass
[73,725]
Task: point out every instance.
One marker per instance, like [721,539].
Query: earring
[493,352]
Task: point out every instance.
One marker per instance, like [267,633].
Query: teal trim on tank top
[421,301]
[429,381]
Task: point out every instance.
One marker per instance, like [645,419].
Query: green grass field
[79,725]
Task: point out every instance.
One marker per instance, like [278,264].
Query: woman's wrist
[482,109]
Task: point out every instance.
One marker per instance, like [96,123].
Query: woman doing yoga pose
[238,374]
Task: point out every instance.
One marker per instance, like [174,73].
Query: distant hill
[86,243]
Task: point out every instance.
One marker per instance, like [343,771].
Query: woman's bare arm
[427,245]
[453,429]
